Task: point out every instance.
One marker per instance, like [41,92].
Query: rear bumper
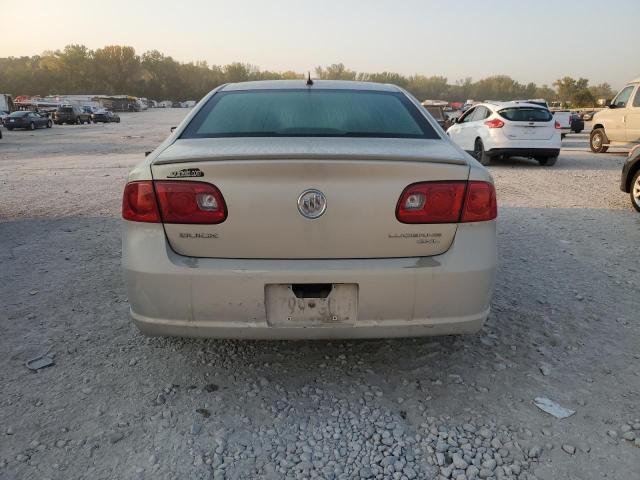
[388,329]
[525,152]
[225,298]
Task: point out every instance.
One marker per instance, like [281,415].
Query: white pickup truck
[563,117]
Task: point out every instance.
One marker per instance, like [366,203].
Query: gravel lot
[116,405]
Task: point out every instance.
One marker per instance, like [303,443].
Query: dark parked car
[105,116]
[27,120]
[438,114]
[587,116]
[576,123]
[71,114]
[88,110]
[630,182]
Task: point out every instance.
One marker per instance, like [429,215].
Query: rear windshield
[65,109]
[309,113]
[526,114]
[19,114]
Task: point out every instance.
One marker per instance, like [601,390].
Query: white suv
[508,129]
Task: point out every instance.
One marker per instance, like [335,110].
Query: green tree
[565,87]
[502,87]
[428,88]
[240,72]
[336,71]
[116,69]
[546,92]
[583,98]
[602,90]
[569,87]
[461,91]
[74,69]
[384,77]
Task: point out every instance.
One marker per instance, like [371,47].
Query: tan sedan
[293,209]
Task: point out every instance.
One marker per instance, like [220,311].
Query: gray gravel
[119,405]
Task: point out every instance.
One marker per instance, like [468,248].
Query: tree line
[119,69]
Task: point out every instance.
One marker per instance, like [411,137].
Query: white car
[508,129]
[318,209]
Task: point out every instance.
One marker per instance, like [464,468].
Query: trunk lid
[262,179]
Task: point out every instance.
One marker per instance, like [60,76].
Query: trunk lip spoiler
[310,156]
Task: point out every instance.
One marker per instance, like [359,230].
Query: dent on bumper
[184,296]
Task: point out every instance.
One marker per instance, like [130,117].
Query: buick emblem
[312,203]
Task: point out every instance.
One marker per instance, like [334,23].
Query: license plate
[529,130]
[11,120]
[284,308]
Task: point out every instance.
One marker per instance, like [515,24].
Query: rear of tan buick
[289,236]
[267,271]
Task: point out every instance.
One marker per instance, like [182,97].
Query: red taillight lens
[558,124]
[139,203]
[190,202]
[480,202]
[494,123]
[447,202]
[173,202]
[431,202]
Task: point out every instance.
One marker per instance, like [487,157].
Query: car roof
[513,103]
[318,84]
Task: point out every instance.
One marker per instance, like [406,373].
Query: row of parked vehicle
[66,114]
[72,114]
[499,130]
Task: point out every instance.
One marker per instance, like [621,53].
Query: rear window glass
[523,114]
[66,110]
[19,114]
[309,113]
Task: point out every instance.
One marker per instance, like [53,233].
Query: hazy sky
[531,41]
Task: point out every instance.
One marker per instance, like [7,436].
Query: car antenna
[309,81]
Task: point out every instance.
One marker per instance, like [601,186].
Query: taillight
[447,202]
[139,203]
[190,202]
[558,124]
[494,123]
[480,202]
[431,202]
[173,202]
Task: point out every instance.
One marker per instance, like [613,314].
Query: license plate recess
[295,305]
